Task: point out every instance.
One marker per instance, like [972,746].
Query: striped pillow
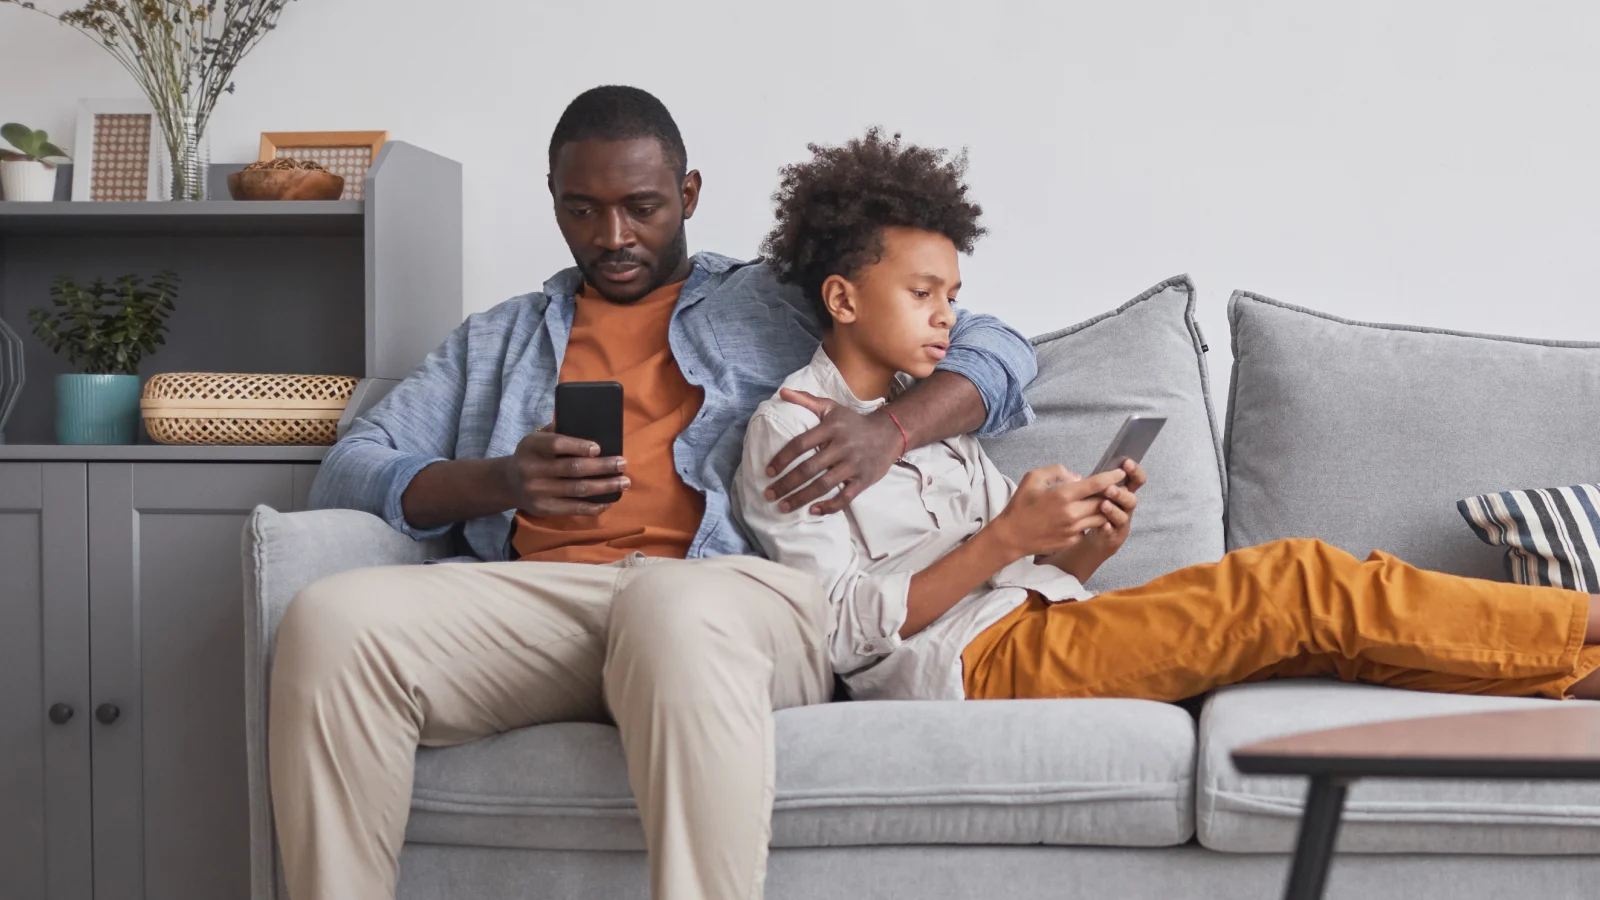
[1550,535]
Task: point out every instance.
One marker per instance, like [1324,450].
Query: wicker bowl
[229,408]
[285,184]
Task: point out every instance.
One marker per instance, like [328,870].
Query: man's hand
[852,450]
[550,474]
[1117,506]
[1052,509]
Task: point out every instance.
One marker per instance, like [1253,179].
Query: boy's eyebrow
[929,276]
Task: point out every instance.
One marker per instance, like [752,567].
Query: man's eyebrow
[635,197]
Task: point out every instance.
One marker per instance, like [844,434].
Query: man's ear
[838,300]
[691,192]
[550,184]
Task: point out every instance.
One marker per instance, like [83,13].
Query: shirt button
[929,481]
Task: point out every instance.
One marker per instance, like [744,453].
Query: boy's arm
[873,613]
[867,610]
[979,386]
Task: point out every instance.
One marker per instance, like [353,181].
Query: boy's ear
[837,298]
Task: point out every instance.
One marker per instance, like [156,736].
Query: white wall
[1429,162]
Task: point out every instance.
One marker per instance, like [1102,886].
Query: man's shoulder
[519,314]
[754,277]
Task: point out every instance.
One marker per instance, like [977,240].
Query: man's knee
[672,629]
[326,626]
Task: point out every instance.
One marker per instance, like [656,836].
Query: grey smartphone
[1133,440]
[592,410]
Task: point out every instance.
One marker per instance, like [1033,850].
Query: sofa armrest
[283,553]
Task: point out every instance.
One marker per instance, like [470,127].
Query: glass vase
[186,163]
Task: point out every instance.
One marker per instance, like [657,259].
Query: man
[646,610]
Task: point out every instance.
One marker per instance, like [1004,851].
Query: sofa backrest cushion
[1366,435]
[1146,356]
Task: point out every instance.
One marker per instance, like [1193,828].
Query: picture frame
[118,152]
[346,153]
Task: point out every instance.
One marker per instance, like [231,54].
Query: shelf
[157,453]
[208,217]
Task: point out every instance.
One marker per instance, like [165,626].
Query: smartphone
[592,410]
[1133,440]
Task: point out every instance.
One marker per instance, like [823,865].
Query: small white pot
[27,179]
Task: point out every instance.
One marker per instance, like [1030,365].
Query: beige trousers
[689,658]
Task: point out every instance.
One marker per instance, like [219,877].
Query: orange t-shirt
[658,515]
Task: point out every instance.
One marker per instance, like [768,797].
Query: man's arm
[412,428]
[396,461]
[978,386]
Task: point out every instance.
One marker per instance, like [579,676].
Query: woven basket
[226,408]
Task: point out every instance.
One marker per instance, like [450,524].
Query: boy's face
[901,308]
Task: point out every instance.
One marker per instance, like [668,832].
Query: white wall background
[1429,162]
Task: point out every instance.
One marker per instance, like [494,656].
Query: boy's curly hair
[832,209]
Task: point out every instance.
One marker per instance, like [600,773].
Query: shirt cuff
[398,474]
[992,382]
[892,605]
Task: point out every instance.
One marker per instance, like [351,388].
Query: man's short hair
[615,112]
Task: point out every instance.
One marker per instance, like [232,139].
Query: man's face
[621,208]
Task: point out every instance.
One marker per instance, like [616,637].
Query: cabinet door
[44,661]
[166,628]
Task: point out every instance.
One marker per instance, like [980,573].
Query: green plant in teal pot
[105,331]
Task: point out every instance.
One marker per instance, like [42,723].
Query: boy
[948,581]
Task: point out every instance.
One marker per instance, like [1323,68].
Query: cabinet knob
[60,713]
[107,713]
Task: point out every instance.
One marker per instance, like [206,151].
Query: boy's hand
[1052,509]
[1100,544]
[853,450]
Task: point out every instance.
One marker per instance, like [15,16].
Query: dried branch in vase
[181,54]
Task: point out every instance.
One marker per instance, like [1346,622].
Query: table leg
[1319,827]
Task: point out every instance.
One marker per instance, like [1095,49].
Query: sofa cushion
[1259,814]
[1108,772]
[1367,435]
[1551,535]
[1147,356]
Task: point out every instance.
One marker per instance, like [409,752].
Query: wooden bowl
[285,184]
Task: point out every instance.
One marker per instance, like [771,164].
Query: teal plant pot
[97,409]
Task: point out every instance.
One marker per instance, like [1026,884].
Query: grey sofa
[1362,435]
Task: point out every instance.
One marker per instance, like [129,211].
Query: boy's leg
[700,653]
[373,662]
[1293,603]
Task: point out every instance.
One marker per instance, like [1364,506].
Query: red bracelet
[905,442]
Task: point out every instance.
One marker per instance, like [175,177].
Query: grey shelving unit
[344,287]
[120,580]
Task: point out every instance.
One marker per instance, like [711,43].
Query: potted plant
[28,169]
[105,330]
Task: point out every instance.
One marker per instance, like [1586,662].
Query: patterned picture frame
[346,153]
[118,151]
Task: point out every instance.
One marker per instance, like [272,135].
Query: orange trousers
[1289,609]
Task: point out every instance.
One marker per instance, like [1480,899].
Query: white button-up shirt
[931,501]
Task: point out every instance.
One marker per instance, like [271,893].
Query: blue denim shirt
[736,332]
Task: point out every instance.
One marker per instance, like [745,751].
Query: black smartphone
[592,410]
[1133,440]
